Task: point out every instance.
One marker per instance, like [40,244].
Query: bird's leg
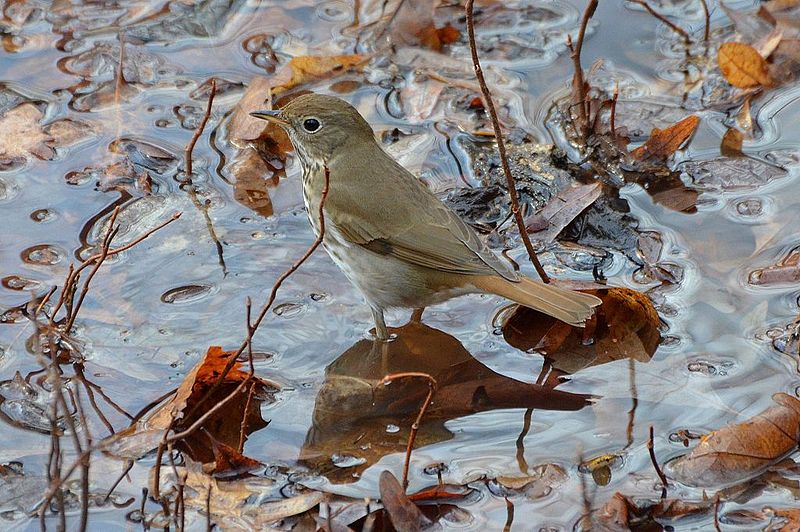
[381,332]
[416,315]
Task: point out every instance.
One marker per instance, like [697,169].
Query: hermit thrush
[390,235]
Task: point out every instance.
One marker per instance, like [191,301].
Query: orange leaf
[739,452]
[625,326]
[229,462]
[448,34]
[664,142]
[308,68]
[743,66]
[732,143]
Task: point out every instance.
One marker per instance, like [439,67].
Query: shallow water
[153,311]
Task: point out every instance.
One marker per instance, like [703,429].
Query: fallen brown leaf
[403,513]
[625,326]
[21,135]
[243,127]
[790,518]
[664,142]
[741,451]
[231,503]
[309,68]
[622,513]
[743,66]
[224,426]
[228,462]
[561,210]
[732,143]
[786,271]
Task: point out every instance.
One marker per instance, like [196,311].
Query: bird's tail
[566,305]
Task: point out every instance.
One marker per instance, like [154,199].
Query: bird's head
[319,126]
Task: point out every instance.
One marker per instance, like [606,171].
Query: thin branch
[587,520]
[272,295]
[111,232]
[509,515]
[579,93]
[501,147]
[706,33]
[660,473]
[199,131]
[74,272]
[677,29]
[614,111]
[412,436]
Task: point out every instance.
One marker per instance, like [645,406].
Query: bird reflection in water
[356,421]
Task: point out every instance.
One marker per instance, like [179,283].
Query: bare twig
[716,508]
[208,508]
[509,515]
[412,436]
[660,473]
[677,29]
[501,147]
[74,272]
[526,427]
[273,294]
[586,521]
[614,111]
[634,401]
[243,426]
[188,183]
[90,394]
[125,471]
[706,33]
[199,131]
[579,93]
[111,232]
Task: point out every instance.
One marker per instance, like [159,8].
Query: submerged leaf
[786,271]
[741,451]
[732,143]
[664,142]
[743,66]
[404,514]
[309,68]
[625,326]
[198,394]
[561,210]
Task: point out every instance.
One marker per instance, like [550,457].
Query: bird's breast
[313,184]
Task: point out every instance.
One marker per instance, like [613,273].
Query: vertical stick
[501,147]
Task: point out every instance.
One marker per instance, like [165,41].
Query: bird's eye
[311,125]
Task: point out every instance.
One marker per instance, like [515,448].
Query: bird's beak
[270,116]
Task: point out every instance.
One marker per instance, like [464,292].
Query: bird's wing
[395,214]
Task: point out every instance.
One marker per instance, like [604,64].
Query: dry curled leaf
[623,513]
[625,326]
[21,135]
[561,210]
[664,142]
[403,513]
[789,519]
[185,407]
[741,451]
[786,271]
[743,66]
[309,68]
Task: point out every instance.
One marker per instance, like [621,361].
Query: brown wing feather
[394,213]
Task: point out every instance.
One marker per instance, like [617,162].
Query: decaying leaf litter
[704,235]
